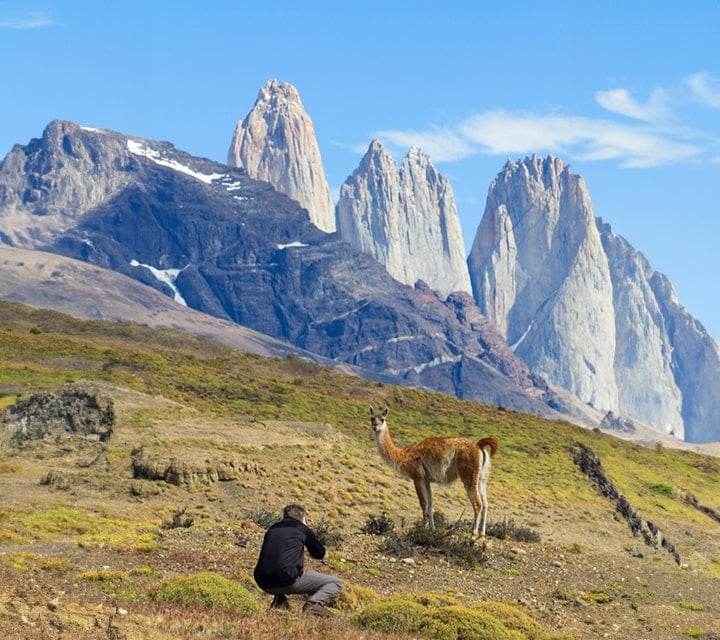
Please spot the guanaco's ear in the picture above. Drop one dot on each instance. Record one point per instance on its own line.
(384, 413)
(372, 413)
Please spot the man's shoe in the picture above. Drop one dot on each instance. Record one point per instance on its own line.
(316, 609)
(280, 602)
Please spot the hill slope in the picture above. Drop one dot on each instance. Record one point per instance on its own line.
(85, 539)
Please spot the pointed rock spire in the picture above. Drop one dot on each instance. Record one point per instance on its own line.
(582, 307)
(276, 143)
(405, 217)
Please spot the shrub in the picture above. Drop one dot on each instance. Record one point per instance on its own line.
(378, 526)
(353, 597)
(508, 530)
(179, 520)
(209, 591)
(457, 548)
(402, 615)
(103, 576)
(264, 517)
(514, 618)
(663, 488)
(328, 535)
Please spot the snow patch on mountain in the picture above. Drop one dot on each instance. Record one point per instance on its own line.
(167, 276)
(141, 150)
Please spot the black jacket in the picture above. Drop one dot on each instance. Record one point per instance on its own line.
(281, 555)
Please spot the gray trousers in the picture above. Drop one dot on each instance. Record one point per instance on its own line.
(320, 586)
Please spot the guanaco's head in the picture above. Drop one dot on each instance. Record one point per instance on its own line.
(377, 420)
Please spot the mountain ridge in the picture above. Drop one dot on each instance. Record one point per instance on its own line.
(405, 217)
(257, 260)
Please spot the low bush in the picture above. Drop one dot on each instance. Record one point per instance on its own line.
(328, 535)
(354, 597)
(179, 519)
(378, 525)
(455, 546)
(400, 614)
(209, 591)
(264, 517)
(514, 618)
(508, 530)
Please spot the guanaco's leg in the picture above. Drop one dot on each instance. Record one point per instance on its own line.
(482, 486)
(471, 488)
(424, 494)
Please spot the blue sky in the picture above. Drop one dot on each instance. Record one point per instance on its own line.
(627, 93)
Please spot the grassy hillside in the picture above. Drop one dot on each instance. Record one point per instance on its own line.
(300, 432)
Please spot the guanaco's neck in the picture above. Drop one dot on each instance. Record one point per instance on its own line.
(387, 449)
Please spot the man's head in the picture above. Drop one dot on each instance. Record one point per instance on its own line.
(294, 511)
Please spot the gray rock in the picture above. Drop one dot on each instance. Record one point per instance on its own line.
(585, 310)
(276, 143)
(405, 217)
(74, 409)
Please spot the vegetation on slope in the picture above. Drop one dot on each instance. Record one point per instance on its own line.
(229, 403)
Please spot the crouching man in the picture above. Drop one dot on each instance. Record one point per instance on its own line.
(280, 567)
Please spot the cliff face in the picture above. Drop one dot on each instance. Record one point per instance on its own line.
(276, 143)
(539, 272)
(584, 309)
(405, 217)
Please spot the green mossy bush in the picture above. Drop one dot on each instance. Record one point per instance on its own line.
(514, 618)
(403, 614)
(353, 597)
(209, 591)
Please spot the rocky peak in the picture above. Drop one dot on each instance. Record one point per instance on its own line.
(48, 184)
(276, 143)
(405, 217)
(539, 272)
(582, 307)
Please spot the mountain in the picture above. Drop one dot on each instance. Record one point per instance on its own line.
(276, 143)
(585, 310)
(405, 217)
(212, 238)
(82, 290)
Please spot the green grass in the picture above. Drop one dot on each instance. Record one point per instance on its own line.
(40, 349)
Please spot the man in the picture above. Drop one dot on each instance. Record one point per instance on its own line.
(280, 567)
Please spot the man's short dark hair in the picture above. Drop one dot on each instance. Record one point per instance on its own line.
(294, 511)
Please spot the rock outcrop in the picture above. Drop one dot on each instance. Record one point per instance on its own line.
(585, 310)
(76, 409)
(276, 143)
(405, 217)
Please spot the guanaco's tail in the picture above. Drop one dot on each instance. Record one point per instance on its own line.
(488, 443)
(488, 447)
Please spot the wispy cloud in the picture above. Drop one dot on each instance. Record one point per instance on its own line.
(442, 145)
(30, 20)
(620, 101)
(651, 137)
(506, 133)
(705, 89)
